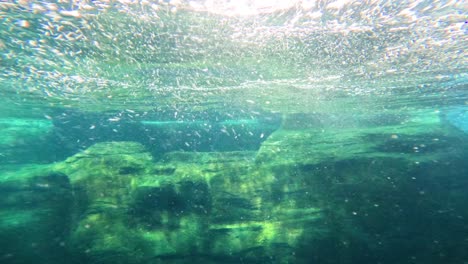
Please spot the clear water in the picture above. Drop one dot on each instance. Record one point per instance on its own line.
(233, 131)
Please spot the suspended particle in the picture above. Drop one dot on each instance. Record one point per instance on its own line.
(23, 23)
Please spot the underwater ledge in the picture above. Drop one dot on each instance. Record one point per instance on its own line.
(289, 202)
(312, 189)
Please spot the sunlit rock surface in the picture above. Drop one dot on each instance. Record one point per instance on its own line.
(312, 139)
(207, 205)
(321, 183)
(259, 206)
(312, 190)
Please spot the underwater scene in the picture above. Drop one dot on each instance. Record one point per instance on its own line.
(220, 131)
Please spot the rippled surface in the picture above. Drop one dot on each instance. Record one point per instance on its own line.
(146, 54)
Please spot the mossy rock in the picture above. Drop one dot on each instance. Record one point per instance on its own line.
(187, 204)
(418, 136)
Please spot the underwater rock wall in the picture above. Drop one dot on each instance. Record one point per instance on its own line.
(318, 194)
(203, 205)
(34, 215)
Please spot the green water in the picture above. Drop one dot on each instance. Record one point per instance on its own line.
(233, 132)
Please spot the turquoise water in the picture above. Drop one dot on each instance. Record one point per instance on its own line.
(233, 132)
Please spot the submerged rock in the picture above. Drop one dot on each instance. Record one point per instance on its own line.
(129, 209)
(35, 211)
(305, 203)
(313, 142)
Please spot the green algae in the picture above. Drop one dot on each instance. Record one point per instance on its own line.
(203, 195)
(320, 142)
(308, 183)
(126, 206)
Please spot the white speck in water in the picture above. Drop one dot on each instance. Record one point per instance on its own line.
(23, 23)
